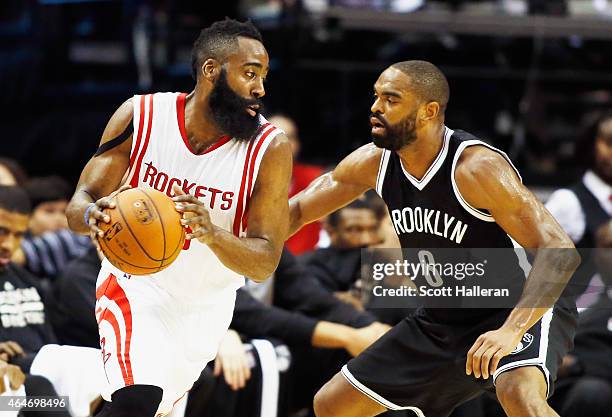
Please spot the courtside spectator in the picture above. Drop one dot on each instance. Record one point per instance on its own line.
(303, 174)
(49, 245)
(585, 206)
(585, 378)
(24, 328)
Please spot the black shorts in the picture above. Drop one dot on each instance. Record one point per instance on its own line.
(419, 365)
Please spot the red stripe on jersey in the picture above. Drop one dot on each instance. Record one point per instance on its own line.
(180, 115)
(251, 171)
(238, 215)
(139, 136)
(134, 182)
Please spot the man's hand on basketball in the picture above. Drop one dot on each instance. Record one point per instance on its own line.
(490, 347)
(195, 216)
(96, 214)
(232, 361)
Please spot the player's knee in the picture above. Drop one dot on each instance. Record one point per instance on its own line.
(136, 401)
(322, 403)
(520, 393)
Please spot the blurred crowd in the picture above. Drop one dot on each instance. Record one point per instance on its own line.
(290, 334)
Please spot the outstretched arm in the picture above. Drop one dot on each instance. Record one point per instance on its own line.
(487, 181)
(333, 190)
(256, 255)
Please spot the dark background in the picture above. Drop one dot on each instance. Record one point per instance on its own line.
(527, 83)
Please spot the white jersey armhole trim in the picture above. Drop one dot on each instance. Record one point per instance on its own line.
(382, 170)
(275, 132)
(374, 396)
(272, 132)
(472, 210)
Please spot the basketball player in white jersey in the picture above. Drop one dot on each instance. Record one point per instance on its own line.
(228, 171)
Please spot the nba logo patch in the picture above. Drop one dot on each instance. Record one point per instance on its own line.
(525, 342)
(142, 212)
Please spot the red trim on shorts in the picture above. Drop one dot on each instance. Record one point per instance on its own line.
(139, 136)
(180, 115)
(238, 215)
(109, 317)
(134, 181)
(113, 291)
(251, 171)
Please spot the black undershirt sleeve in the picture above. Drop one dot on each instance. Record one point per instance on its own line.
(116, 141)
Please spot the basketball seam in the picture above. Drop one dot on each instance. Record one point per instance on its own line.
(161, 222)
(127, 224)
(178, 247)
(123, 260)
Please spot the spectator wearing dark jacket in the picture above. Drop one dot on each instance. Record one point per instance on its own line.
(24, 328)
(585, 378)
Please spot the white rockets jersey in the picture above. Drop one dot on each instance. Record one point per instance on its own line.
(222, 177)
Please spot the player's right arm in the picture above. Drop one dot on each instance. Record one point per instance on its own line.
(353, 176)
(101, 176)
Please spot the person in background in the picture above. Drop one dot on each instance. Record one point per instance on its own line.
(582, 208)
(303, 174)
(24, 328)
(585, 383)
(49, 244)
(361, 225)
(350, 229)
(49, 197)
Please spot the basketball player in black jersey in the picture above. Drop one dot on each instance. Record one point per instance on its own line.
(437, 359)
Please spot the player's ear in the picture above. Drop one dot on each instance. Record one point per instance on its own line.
(432, 109)
(211, 69)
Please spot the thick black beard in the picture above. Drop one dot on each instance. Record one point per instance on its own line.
(229, 110)
(396, 136)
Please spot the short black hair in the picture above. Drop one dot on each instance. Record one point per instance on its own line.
(14, 199)
(585, 148)
(428, 81)
(361, 203)
(218, 40)
(45, 189)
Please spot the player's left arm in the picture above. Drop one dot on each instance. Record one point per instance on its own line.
(487, 181)
(255, 256)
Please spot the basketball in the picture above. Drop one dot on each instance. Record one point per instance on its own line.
(144, 234)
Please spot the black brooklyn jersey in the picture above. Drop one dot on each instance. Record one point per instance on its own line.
(430, 214)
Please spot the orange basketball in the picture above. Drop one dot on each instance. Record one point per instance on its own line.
(144, 235)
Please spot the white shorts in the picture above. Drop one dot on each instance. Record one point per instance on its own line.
(148, 336)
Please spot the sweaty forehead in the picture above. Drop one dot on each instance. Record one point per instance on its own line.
(250, 51)
(394, 80)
